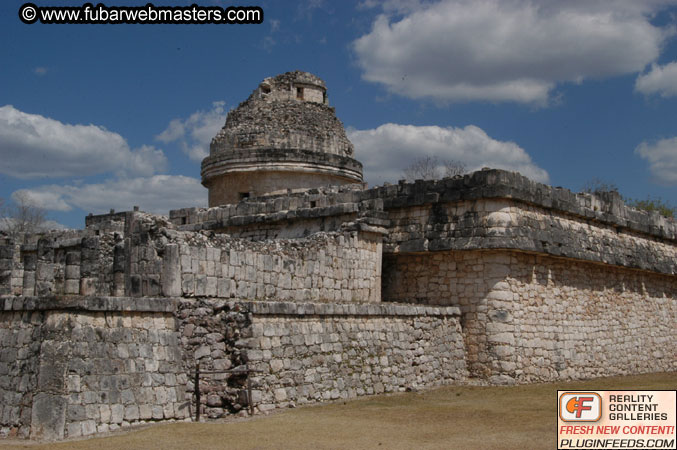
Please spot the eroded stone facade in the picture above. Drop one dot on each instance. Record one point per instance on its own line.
(329, 293)
(79, 367)
(529, 318)
(285, 136)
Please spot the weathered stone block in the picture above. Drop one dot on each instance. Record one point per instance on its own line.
(48, 418)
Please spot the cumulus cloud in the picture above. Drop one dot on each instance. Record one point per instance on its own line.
(506, 50)
(44, 198)
(196, 132)
(385, 151)
(33, 146)
(660, 80)
(157, 194)
(662, 158)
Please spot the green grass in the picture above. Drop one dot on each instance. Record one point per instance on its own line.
(458, 417)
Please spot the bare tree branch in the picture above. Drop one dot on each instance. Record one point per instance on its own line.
(453, 168)
(22, 215)
(431, 168)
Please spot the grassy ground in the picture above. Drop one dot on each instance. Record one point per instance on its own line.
(517, 417)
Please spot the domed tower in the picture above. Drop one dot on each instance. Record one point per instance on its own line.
(284, 136)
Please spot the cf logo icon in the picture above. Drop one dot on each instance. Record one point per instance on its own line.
(580, 406)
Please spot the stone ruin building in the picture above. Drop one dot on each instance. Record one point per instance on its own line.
(284, 136)
(324, 288)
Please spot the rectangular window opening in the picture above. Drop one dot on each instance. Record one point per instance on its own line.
(299, 93)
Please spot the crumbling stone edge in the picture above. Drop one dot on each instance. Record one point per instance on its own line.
(169, 305)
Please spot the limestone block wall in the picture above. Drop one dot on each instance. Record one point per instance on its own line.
(11, 269)
(323, 267)
(505, 223)
(283, 216)
(20, 338)
(73, 367)
(530, 318)
(149, 257)
(63, 263)
(313, 352)
(320, 352)
(88, 365)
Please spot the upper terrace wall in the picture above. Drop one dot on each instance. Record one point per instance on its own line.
(498, 209)
(323, 267)
(142, 255)
(511, 224)
(64, 263)
(293, 215)
(486, 209)
(151, 258)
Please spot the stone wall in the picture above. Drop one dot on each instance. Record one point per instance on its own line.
(63, 263)
(530, 318)
(72, 368)
(329, 352)
(213, 334)
(151, 258)
(11, 269)
(506, 223)
(21, 338)
(313, 352)
(287, 216)
(549, 285)
(323, 267)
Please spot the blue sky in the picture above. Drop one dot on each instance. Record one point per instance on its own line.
(94, 117)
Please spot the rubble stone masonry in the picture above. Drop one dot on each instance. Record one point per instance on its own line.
(530, 318)
(88, 365)
(330, 293)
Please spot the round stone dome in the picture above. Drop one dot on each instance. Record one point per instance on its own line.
(284, 136)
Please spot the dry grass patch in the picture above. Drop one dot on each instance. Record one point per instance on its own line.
(459, 417)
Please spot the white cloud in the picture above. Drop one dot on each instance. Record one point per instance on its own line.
(659, 80)
(506, 50)
(46, 199)
(33, 146)
(196, 132)
(157, 194)
(385, 151)
(662, 158)
(146, 160)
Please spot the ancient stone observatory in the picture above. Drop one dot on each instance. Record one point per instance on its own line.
(329, 293)
(284, 136)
